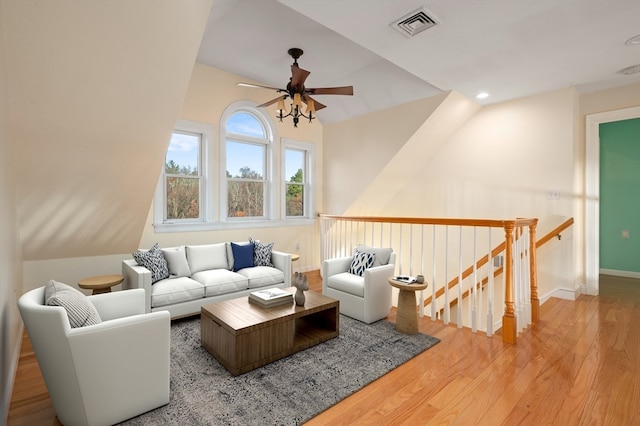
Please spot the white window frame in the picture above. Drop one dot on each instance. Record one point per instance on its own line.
(308, 181)
(214, 185)
(269, 142)
(206, 133)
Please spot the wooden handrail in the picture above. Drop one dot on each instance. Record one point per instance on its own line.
(483, 261)
(513, 231)
(492, 223)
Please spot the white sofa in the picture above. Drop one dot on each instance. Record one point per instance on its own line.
(103, 373)
(203, 274)
(367, 297)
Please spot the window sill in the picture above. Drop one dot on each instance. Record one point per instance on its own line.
(162, 228)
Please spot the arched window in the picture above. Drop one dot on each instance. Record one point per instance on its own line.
(243, 176)
(247, 148)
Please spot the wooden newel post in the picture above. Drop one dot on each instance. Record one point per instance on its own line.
(533, 273)
(509, 331)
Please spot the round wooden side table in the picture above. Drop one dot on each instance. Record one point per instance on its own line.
(100, 283)
(407, 314)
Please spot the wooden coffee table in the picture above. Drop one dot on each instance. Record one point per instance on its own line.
(243, 336)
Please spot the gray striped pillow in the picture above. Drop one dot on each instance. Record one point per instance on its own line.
(80, 310)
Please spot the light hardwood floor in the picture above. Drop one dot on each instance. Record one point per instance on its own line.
(579, 365)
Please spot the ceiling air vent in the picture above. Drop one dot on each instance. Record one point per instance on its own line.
(414, 23)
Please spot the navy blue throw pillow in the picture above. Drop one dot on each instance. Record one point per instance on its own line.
(242, 256)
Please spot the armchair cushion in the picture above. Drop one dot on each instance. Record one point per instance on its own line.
(382, 254)
(348, 283)
(360, 262)
(80, 310)
(154, 261)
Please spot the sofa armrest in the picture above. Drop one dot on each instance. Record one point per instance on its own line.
(136, 276)
(119, 304)
(282, 261)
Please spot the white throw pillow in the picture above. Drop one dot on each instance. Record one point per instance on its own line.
(80, 310)
(206, 257)
(382, 254)
(177, 261)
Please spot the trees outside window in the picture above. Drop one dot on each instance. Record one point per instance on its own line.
(297, 170)
(183, 177)
(240, 176)
(247, 146)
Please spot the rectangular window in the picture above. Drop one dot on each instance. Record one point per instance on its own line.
(183, 177)
(294, 164)
(246, 182)
(297, 175)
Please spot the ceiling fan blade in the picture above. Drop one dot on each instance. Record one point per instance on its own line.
(260, 86)
(344, 90)
(317, 104)
(271, 102)
(298, 76)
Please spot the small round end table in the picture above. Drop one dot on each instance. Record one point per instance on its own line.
(407, 314)
(100, 283)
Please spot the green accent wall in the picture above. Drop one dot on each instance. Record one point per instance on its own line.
(620, 195)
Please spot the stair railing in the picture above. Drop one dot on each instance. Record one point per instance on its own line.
(438, 248)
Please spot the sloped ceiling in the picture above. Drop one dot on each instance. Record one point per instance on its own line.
(510, 49)
(94, 92)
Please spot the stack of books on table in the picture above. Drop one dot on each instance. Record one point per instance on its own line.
(270, 297)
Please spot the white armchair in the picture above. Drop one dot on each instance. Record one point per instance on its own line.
(366, 298)
(105, 373)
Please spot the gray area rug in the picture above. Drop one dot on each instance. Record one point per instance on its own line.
(286, 392)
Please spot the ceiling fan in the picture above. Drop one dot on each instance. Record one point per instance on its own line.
(298, 93)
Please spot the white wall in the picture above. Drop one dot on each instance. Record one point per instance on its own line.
(10, 272)
(499, 163)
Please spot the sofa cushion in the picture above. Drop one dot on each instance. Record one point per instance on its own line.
(220, 281)
(177, 261)
(242, 256)
(175, 290)
(261, 253)
(259, 276)
(360, 262)
(80, 310)
(348, 283)
(382, 254)
(154, 260)
(207, 256)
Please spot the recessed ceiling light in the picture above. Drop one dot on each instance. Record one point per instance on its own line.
(633, 41)
(482, 95)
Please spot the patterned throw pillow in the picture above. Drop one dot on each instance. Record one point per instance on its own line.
(360, 262)
(261, 253)
(154, 261)
(80, 310)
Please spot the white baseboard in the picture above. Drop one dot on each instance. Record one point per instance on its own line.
(615, 273)
(8, 388)
(561, 293)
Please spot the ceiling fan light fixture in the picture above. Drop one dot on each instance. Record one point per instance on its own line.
(311, 107)
(298, 93)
